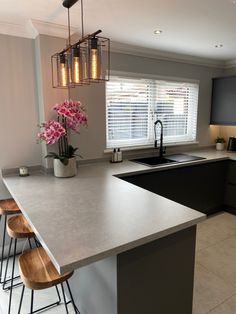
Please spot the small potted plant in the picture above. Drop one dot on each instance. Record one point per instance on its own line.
(220, 143)
(70, 116)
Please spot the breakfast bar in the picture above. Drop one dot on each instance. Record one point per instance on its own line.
(132, 250)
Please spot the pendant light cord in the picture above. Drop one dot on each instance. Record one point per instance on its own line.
(68, 14)
(82, 17)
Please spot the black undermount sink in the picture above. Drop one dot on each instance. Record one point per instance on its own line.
(156, 160)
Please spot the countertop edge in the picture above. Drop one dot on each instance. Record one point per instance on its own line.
(131, 245)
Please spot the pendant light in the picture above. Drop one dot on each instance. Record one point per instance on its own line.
(83, 62)
(63, 70)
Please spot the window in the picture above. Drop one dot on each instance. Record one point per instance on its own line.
(133, 105)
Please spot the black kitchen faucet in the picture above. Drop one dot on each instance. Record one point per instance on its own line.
(161, 148)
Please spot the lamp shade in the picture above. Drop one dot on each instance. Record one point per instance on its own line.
(98, 59)
(60, 70)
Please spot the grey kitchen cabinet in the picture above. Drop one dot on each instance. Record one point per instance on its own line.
(223, 106)
(230, 187)
(200, 187)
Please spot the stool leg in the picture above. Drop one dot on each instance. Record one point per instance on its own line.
(64, 298)
(58, 294)
(32, 302)
(5, 280)
(21, 298)
(3, 246)
(12, 277)
(30, 243)
(72, 299)
(36, 242)
(8, 257)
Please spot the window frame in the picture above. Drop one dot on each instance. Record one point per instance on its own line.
(132, 75)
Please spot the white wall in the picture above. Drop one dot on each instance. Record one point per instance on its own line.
(18, 105)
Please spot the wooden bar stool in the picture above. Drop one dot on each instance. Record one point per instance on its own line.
(7, 207)
(37, 273)
(17, 227)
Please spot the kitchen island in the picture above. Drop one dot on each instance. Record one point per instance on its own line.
(133, 249)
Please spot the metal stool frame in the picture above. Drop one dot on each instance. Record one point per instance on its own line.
(52, 304)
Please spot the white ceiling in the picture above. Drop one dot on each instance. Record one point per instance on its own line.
(190, 27)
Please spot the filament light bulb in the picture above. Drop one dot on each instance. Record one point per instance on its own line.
(63, 74)
(95, 66)
(76, 70)
(63, 71)
(76, 67)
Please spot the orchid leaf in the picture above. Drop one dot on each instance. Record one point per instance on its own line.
(52, 155)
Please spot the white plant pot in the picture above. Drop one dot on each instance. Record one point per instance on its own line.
(220, 146)
(65, 171)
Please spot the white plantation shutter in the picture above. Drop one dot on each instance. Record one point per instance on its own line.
(176, 106)
(134, 104)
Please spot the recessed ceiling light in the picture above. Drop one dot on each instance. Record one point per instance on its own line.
(157, 31)
(218, 46)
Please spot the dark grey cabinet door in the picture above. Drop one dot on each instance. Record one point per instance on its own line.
(223, 107)
(200, 187)
(230, 188)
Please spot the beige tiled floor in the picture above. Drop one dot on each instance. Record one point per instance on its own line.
(215, 272)
(215, 267)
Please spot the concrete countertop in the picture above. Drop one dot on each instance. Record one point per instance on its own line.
(95, 215)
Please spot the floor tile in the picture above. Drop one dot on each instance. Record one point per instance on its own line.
(228, 307)
(220, 259)
(209, 290)
(215, 229)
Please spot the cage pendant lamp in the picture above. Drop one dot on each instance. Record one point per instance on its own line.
(98, 53)
(83, 62)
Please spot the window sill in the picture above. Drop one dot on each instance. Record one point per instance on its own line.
(133, 148)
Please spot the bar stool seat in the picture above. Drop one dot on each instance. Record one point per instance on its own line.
(18, 227)
(38, 272)
(9, 207)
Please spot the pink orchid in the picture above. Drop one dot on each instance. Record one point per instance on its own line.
(70, 114)
(73, 112)
(53, 132)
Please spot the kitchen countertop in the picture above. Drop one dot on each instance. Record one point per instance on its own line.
(95, 215)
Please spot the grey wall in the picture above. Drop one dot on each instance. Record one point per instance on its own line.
(47, 96)
(27, 97)
(18, 105)
(92, 142)
(229, 71)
